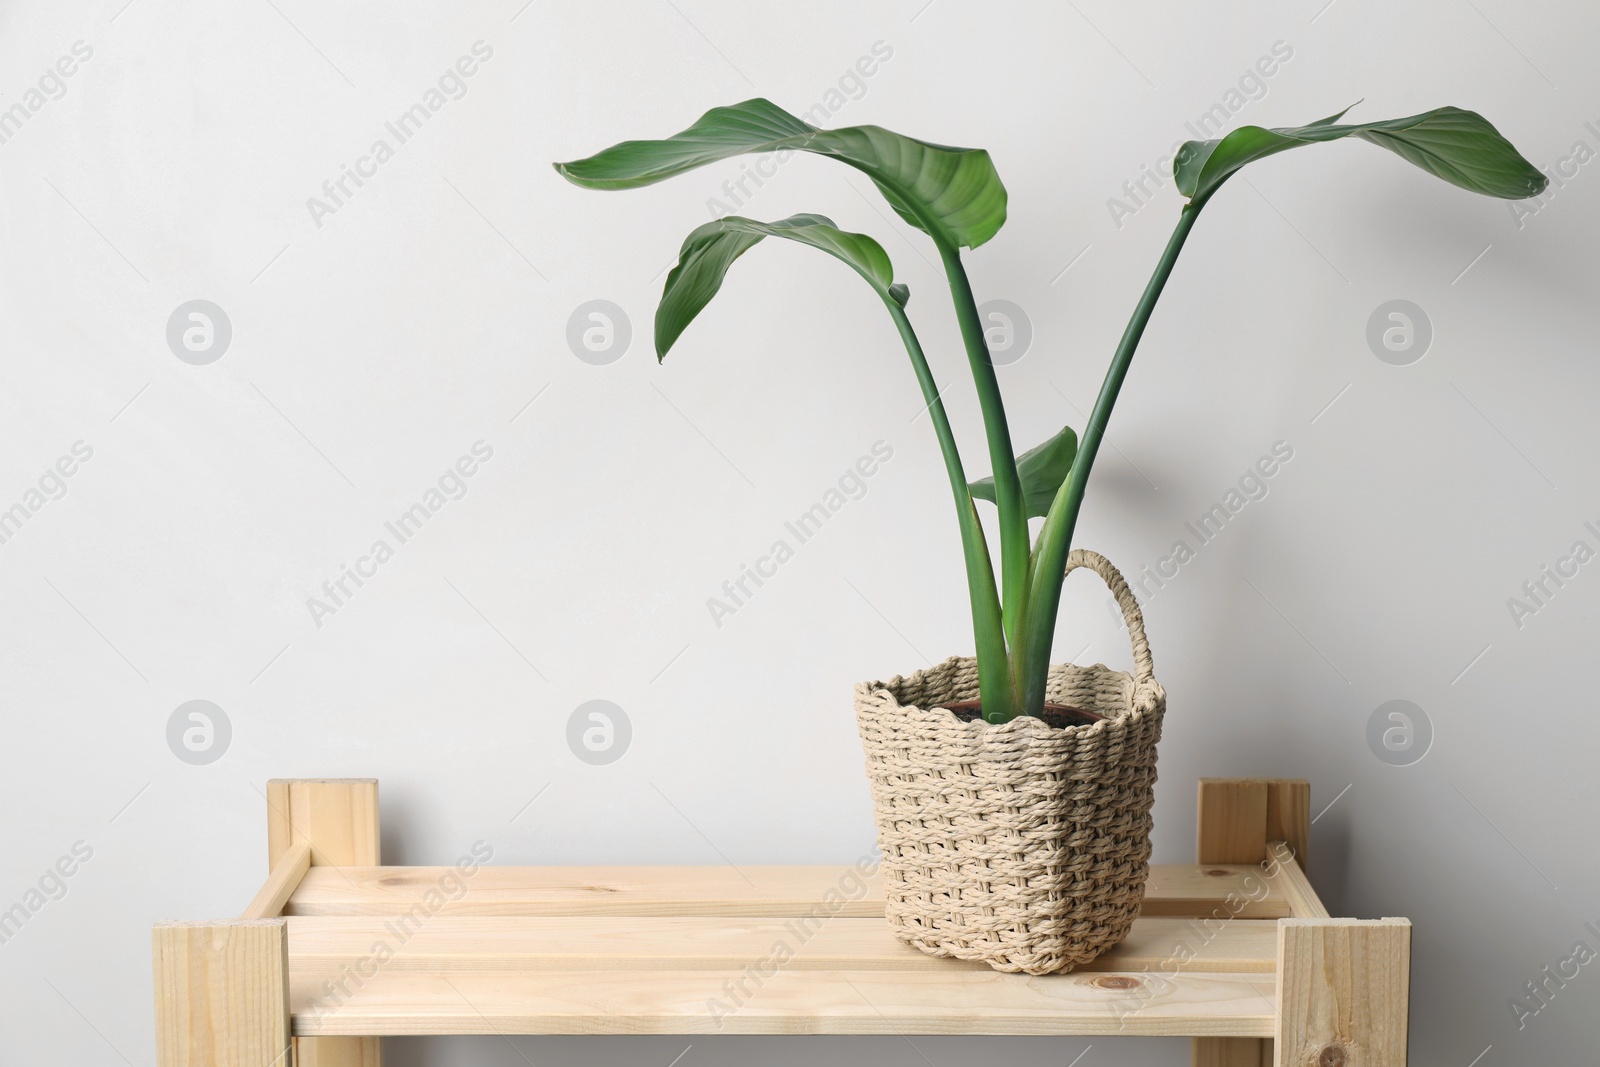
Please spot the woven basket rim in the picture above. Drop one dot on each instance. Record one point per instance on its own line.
(1149, 690)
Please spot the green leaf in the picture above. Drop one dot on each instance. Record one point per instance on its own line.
(1459, 146)
(709, 251)
(1042, 470)
(951, 193)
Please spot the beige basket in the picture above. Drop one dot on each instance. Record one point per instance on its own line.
(1022, 845)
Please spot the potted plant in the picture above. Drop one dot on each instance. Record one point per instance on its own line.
(1012, 796)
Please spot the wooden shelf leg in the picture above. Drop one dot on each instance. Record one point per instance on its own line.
(1343, 992)
(1231, 1052)
(1237, 817)
(222, 993)
(338, 819)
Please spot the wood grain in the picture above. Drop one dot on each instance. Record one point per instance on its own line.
(1343, 992)
(1237, 818)
(1232, 818)
(337, 820)
(284, 879)
(338, 817)
(1172, 890)
(785, 1002)
(338, 1052)
(222, 993)
(1303, 900)
(615, 943)
(1289, 816)
(1231, 1052)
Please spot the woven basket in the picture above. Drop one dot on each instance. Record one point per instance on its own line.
(1022, 845)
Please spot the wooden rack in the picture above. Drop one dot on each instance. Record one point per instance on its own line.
(336, 951)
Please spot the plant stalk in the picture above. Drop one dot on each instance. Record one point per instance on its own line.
(1055, 539)
(1009, 502)
(995, 682)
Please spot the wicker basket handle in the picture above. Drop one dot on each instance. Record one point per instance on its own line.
(1143, 667)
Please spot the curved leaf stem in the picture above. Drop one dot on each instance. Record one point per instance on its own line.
(994, 676)
(1048, 570)
(1002, 457)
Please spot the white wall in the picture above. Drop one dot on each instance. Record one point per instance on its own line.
(371, 351)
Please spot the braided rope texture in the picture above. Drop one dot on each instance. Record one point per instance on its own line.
(1021, 845)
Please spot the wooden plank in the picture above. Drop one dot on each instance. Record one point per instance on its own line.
(1303, 900)
(1232, 820)
(337, 819)
(1289, 815)
(1235, 817)
(222, 993)
(284, 879)
(1231, 1052)
(1289, 825)
(1241, 890)
(782, 1002)
(614, 943)
(1343, 991)
(339, 1052)
(779, 891)
(1172, 890)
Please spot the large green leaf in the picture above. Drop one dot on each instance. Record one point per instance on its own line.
(1459, 146)
(952, 193)
(709, 251)
(1042, 470)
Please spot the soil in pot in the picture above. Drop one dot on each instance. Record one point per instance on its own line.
(1057, 715)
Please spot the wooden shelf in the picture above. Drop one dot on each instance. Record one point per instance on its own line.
(807, 1002)
(699, 943)
(655, 950)
(1240, 955)
(752, 892)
